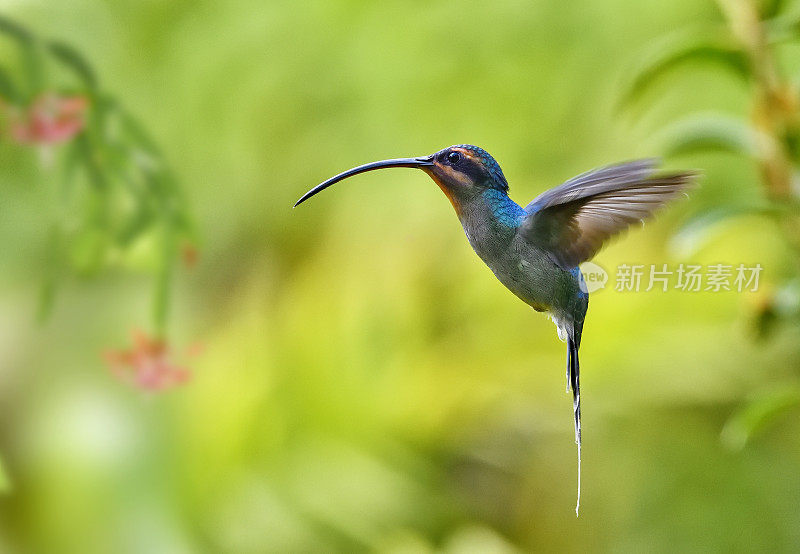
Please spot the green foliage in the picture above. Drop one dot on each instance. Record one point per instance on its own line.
(770, 8)
(710, 132)
(8, 89)
(72, 59)
(16, 31)
(703, 227)
(685, 50)
(759, 413)
(769, 140)
(113, 177)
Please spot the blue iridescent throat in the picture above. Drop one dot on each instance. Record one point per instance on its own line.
(505, 210)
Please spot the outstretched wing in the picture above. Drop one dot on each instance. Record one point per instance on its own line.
(572, 221)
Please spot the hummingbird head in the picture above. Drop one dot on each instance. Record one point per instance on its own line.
(461, 171)
(464, 170)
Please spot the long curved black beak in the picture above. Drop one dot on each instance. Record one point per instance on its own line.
(425, 161)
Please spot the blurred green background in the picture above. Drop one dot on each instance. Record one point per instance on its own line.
(365, 384)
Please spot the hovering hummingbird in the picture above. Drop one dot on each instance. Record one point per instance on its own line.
(535, 251)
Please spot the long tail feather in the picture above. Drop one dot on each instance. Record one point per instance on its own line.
(573, 368)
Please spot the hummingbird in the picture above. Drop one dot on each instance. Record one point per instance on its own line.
(535, 251)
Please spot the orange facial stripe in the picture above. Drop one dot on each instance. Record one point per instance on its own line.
(447, 192)
(463, 152)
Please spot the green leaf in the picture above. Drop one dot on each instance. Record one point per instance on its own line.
(69, 166)
(33, 64)
(15, 30)
(30, 53)
(783, 28)
(88, 156)
(8, 90)
(721, 52)
(770, 8)
(136, 132)
(778, 307)
(692, 236)
(758, 414)
(791, 138)
(75, 61)
(134, 227)
(787, 299)
(102, 106)
(710, 132)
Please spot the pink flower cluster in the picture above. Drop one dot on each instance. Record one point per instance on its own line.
(147, 365)
(49, 119)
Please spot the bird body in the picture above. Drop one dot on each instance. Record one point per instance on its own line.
(491, 221)
(535, 251)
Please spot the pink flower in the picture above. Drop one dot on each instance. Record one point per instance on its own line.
(49, 119)
(147, 365)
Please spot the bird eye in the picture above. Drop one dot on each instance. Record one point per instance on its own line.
(454, 157)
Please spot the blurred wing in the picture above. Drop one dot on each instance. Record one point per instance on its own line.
(573, 220)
